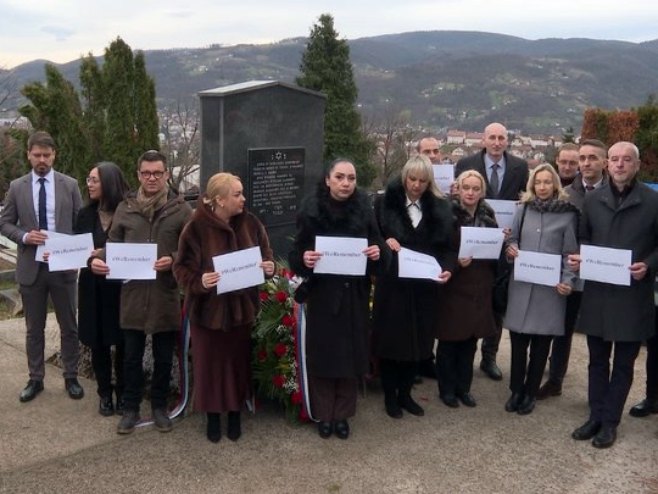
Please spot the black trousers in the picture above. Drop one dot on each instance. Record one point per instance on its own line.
(608, 390)
(454, 366)
(561, 347)
(163, 354)
(397, 377)
(652, 366)
(491, 343)
(101, 362)
(526, 373)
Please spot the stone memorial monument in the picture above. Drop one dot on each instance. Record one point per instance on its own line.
(270, 134)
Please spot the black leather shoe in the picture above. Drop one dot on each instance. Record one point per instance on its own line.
(32, 389)
(548, 389)
(325, 429)
(644, 408)
(342, 429)
(491, 369)
(512, 405)
(73, 388)
(586, 431)
(467, 399)
(606, 437)
(105, 406)
(527, 405)
(449, 400)
(407, 403)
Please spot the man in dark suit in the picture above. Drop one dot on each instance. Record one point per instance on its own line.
(506, 177)
(617, 318)
(41, 201)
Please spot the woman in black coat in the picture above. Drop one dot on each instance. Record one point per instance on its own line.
(411, 214)
(98, 298)
(336, 305)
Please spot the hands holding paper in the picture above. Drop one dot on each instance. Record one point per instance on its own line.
(465, 262)
(512, 251)
(393, 244)
(36, 237)
(563, 288)
(444, 277)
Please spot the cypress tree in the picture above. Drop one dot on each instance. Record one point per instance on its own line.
(326, 67)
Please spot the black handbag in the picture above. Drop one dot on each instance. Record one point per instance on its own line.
(503, 273)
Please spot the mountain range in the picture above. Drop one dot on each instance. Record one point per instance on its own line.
(438, 79)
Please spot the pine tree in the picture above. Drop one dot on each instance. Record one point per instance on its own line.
(326, 67)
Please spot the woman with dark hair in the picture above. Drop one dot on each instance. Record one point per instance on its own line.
(414, 215)
(465, 306)
(337, 306)
(220, 324)
(544, 222)
(98, 298)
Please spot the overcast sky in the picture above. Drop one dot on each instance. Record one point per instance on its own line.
(61, 31)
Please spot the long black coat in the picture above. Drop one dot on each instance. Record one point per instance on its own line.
(337, 306)
(465, 303)
(403, 313)
(98, 298)
(613, 312)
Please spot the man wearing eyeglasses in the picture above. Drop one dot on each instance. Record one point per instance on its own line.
(37, 203)
(154, 214)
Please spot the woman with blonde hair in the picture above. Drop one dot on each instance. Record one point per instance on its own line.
(412, 214)
(544, 222)
(465, 306)
(220, 324)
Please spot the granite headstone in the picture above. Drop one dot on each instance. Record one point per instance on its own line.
(271, 135)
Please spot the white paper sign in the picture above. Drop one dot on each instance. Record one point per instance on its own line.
(239, 269)
(38, 255)
(341, 255)
(444, 176)
(131, 261)
(69, 251)
(412, 264)
(481, 243)
(538, 268)
(605, 265)
(504, 210)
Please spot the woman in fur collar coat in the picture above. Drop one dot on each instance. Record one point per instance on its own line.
(337, 308)
(411, 214)
(220, 324)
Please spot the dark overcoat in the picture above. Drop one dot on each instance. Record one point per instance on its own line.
(337, 306)
(98, 297)
(464, 306)
(614, 312)
(403, 315)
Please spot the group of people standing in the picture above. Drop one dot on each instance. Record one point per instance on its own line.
(408, 315)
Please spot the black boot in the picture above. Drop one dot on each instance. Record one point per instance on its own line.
(389, 380)
(405, 383)
(234, 431)
(213, 430)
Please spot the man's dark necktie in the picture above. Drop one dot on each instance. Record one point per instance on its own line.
(494, 179)
(43, 220)
(589, 188)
